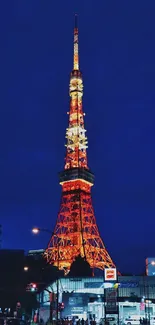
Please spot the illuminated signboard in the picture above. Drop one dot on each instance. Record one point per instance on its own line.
(126, 284)
(110, 274)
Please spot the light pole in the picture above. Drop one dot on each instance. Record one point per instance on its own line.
(36, 231)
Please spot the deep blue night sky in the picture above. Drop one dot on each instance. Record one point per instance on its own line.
(117, 58)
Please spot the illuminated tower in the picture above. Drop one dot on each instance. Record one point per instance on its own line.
(76, 232)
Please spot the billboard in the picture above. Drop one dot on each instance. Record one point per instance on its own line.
(110, 274)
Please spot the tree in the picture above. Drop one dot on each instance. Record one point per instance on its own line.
(80, 268)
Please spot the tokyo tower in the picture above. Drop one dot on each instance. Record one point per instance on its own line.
(76, 232)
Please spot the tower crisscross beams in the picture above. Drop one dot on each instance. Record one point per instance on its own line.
(76, 231)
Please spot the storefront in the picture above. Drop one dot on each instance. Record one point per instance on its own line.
(85, 297)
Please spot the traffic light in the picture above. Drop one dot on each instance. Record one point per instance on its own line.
(32, 287)
(18, 305)
(61, 306)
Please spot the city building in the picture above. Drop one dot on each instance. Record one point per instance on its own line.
(85, 297)
(11, 278)
(36, 253)
(11, 259)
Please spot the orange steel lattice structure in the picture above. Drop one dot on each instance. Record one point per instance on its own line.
(76, 231)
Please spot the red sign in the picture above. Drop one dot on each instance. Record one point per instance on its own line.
(110, 274)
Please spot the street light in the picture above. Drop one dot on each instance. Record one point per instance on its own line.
(26, 268)
(36, 231)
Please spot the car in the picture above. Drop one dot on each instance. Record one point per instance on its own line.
(132, 320)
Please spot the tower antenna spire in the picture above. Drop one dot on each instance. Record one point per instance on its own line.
(76, 21)
(76, 46)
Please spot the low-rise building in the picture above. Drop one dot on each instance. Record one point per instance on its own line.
(86, 297)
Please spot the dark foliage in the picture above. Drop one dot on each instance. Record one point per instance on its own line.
(14, 280)
(40, 272)
(80, 268)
